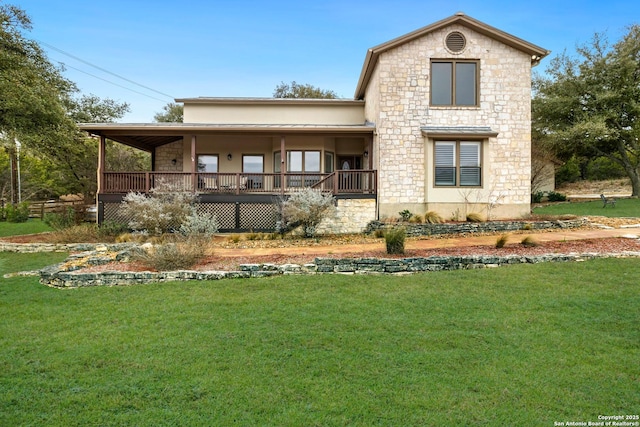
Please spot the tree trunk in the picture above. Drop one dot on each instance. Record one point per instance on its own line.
(635, 183)
(14, 174)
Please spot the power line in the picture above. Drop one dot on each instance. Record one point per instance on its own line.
(104, 71)
(109, 81)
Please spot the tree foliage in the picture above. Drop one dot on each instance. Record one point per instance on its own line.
(171, 113)
(588, 105)
(296, 90)
(39, 108)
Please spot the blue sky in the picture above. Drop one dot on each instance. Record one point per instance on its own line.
(245, 48)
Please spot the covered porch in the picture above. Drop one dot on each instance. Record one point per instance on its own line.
(242, 167)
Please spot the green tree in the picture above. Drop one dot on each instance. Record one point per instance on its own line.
(295, 90)
(171, 113)
(588, 105)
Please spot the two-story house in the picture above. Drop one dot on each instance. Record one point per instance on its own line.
(440, 121)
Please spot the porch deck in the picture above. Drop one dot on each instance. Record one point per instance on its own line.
(342, 182)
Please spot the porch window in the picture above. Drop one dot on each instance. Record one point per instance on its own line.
(208, 163)
(458, 163)
(253, 164)
(454, 83)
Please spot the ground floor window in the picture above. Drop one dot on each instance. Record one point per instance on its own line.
(252, 164)
(208, 163)
(458, 163)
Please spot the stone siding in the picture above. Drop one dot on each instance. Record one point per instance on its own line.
(351, 216)
(165, 155)
(405, 155)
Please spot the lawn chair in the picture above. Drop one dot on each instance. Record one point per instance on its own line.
(607, 201)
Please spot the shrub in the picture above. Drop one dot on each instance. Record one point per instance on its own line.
(474, 217)
(178, 255)
(112, 229)
(16, 213)
(405, 215)
(502, 240)
(60, 221)
(82, 233)
(529, 241)
(415, 219)
(378, 234)
(556, 197)
(394, 239)
(433, 217)
(164, 211)
(204, 224)
(306, 209)
(537, 197)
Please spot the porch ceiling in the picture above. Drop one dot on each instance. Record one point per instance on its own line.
(149, 136)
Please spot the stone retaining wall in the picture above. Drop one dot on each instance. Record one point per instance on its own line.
(476, 227)
(64, 276)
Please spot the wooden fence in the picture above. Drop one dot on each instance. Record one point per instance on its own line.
(40, 209)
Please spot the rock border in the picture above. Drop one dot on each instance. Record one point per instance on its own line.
(69, 275)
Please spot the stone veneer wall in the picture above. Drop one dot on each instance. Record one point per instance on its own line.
(165, 154)
(405, 173)
(352, 216)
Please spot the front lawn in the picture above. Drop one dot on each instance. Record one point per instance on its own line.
(32, 226)
(624, 208)
(521, 345)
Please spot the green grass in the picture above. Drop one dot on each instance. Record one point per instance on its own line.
(624, 208)
(521, 345)
(32, 226)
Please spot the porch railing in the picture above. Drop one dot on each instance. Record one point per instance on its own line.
(338, 182)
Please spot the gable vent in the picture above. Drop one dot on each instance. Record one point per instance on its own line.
(456, 42)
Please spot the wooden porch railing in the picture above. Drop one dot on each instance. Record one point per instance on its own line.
(338, 182)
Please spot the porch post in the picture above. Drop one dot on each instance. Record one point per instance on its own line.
(193, 164)
(283, 164)
(101, 158)
(370, 150)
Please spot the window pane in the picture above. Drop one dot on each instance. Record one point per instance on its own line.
(445, 163)
(312, 161)
(328, 162)
(470, 176)
(207, 163)
(469, 154)
(252, 164)
(294, 161)
(441, 83)
(277, 162)
(466, 83)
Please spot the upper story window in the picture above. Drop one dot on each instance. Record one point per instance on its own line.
(454, 83)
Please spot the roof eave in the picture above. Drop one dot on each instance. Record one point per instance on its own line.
(536, 52)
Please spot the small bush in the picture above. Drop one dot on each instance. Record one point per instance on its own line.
(405, 215)
(179, 255)
(306, 209)
(502, 240)
(433, 217)
(529, 242)
(234, 238)
(527, 226)
(82, 233)
(537, 197)
(416, 219)
(164, 211)
(556, 197)
(199, 224)
(112, 229)
(16, 213)
(378, 234)
(253, 236)
(60, 221)
(394, 239)
(475, 217)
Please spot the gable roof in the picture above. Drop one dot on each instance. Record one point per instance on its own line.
(370, 61)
